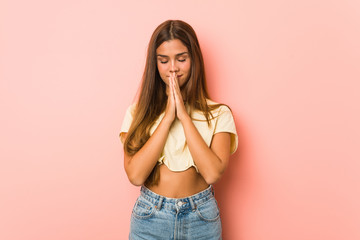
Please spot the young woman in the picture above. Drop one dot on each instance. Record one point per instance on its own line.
(177, 142)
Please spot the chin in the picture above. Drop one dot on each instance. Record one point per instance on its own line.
(184, 83)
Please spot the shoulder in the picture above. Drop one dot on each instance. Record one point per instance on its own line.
(211, 102)
(217, 107)
(131, 108)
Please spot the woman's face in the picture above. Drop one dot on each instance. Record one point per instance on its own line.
(173, 56)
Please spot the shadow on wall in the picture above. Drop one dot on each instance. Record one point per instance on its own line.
(228, 191)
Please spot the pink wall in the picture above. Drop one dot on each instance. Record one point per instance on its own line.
(289, 70)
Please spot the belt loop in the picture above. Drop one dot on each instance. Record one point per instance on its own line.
(193, 207)
(212, 190)
(158, 206)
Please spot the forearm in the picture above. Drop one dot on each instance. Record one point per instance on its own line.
(139, 166)
(209, 164)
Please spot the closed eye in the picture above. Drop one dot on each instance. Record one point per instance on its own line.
(180, 60)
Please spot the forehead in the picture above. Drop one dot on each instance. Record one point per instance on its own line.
(171, 47)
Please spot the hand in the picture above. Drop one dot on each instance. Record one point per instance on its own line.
(170, 110)
(174, 90)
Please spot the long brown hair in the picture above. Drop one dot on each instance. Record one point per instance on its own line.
(152, 97)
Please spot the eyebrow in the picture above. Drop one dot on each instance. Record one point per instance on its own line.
(159, 55)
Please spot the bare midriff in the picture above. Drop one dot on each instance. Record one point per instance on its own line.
(179, 184)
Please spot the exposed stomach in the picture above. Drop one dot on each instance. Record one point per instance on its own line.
(178, 184)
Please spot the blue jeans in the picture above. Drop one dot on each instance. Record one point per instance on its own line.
(158, 217)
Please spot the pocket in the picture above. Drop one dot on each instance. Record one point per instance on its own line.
(143, 208)
(209, 210)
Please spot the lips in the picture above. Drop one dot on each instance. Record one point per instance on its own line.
(176, 75)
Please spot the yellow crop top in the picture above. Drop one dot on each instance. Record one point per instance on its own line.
(176, 154)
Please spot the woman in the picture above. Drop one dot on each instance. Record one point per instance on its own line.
(177, 142)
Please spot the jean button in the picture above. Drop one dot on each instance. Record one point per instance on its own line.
(180, 203)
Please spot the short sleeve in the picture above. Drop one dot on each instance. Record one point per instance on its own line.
(127, 120)
(225, 123)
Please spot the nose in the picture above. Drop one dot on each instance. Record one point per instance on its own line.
(173, 67)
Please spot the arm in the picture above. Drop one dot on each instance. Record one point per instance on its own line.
(211, 161)
(139, 166)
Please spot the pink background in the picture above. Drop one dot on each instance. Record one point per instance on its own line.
(288, 69)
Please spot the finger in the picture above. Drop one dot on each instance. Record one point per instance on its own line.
(177, 90)
(171, 81)
(170, 87)
(176, 84)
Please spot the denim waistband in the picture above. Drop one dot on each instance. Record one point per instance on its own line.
(177, 203)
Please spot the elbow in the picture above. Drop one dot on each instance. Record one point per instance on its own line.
(212, 178)
(134, 177)
(133, 174)
(136, 181)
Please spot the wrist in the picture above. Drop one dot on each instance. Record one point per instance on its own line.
(167, 121)
(186, 118)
